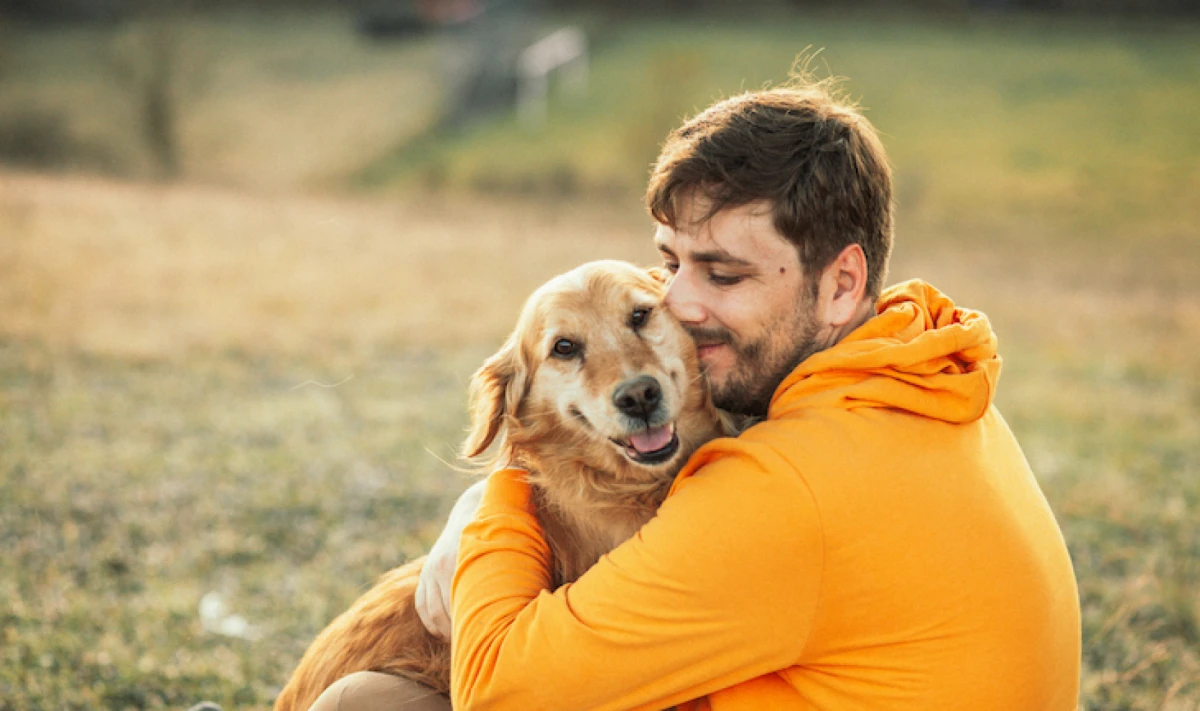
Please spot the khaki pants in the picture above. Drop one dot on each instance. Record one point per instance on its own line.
(372, 691)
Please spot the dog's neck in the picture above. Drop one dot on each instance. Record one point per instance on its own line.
(581, 493)
(585, 511)
(590, 501)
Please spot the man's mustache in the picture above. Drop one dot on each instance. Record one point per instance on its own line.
(709, 336)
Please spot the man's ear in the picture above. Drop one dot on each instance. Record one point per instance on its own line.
(493, 396)
(843, 287)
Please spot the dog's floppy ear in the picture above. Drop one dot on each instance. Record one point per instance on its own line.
(492, 389)
(659, 274)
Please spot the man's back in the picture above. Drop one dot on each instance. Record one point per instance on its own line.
(944, 577)
(945, 581)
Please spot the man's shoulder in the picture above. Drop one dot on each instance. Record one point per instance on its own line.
(769, 447)
(807, 430)
(824, 442)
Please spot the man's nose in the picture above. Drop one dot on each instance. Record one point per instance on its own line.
(682, 299)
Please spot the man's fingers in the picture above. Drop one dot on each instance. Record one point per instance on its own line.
(437, 623)
(441, 621)
(445, 600)
(439, 618)
(432, 605)
(433, 588)
(439, 594)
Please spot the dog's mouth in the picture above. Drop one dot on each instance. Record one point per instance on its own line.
(654, 445)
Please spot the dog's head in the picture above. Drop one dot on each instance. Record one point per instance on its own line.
(600, 372)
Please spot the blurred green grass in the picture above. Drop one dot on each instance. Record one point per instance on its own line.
(982, 118)
(253, 394)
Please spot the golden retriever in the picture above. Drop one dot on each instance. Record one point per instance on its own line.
(598, 395)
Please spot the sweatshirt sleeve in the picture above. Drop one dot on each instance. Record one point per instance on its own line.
(719, 588)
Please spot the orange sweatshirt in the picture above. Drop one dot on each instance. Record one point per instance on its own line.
(878, 542)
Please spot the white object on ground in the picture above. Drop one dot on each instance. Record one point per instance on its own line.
(216, 619)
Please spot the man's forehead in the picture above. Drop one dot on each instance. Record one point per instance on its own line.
(698, 209)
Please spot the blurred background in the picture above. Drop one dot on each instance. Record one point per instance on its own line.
(250, 253)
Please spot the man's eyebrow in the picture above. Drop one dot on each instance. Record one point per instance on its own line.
(707, 256)
(720, 256)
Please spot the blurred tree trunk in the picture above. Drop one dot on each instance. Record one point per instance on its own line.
(160, 108)
(146, 60)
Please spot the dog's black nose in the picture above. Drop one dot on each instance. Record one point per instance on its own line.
(639, 397)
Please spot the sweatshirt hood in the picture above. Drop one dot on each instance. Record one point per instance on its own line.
(920, 353)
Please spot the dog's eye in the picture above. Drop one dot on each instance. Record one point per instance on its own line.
(565, 348)
(639, 317)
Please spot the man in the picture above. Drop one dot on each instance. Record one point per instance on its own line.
(876, 542)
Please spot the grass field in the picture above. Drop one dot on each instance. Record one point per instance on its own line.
(254, 397)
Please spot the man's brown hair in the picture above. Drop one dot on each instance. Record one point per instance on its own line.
(811, 156)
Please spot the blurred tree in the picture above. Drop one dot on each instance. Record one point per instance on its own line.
(144, 60)
(149, 59)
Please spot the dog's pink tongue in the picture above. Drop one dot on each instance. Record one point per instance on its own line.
(652, 439)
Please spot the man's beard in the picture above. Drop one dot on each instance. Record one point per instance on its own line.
(759, 366)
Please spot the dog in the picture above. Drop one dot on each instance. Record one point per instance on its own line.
(598, 395)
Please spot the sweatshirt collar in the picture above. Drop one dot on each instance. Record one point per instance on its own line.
(920, 353)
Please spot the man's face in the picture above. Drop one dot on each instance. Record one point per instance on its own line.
(739, 290)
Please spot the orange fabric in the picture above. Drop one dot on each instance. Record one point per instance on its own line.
(879, 542)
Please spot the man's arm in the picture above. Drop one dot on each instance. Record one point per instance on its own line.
(433, 588)
(719, 588)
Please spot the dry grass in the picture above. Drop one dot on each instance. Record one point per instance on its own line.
(133, 271)
(252, 392)
(207, 390)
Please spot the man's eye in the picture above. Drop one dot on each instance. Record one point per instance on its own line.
(639, 317)
(565, 348)
(724, 280)
(671, 267)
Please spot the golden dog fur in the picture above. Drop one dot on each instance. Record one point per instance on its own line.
(568, 398)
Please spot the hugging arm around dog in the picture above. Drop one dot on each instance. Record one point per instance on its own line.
(878, 541)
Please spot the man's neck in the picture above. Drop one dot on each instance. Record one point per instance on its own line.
(865, 312)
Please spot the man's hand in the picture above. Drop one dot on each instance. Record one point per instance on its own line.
(433, 589)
